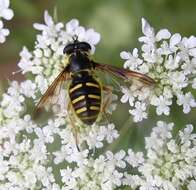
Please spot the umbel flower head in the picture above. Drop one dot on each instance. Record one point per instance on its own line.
(27, 160)
(7, 14)
(169, 163)
(170, 60)
(41, 155)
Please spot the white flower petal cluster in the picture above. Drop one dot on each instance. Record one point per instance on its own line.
(27, 160)
(44, 155)
(169, 163)
(96, 136)
(100, 173)
(7, 14)
(26, 156)
(23, 161)
(170, 60)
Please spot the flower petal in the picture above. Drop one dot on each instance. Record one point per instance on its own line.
(191, 42)
(72, 25)
(92, 36)
(192, 52)
(125, 55)
(7, 14)
(175, 39)
(163, 34)
(146, 28)
(48, 19)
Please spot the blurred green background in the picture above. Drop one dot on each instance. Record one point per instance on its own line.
(119, 23)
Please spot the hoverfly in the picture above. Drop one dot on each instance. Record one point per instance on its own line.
(86, 92)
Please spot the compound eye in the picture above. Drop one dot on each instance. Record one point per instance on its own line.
(80, 46)
(68, 49)
(84, 46)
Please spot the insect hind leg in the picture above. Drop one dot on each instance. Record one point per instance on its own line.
(71, 118)
(108, 100)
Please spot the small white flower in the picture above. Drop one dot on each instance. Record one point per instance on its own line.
(132, 60)
(68, 178)
(174, 41)
(127, 96)
(12, 101)
(28, 88)
(186, 135)
(172, 146)
(111, 133)
(5, 12)
(41, 83)
(50, 29)
(188, 47)
(134, 159)
(187, 101)
(173, 62)
(162, 104)
(139, 113)
(25, 63)
(96, 135)
(95, 139)
(3, 32)
(178, 80)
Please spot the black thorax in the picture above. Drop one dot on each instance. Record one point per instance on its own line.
(79, 61)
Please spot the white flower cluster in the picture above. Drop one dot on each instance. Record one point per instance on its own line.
(27, 161)
(171, 61)
(100, 173)
(7, 14)
(169, 163)
(44, 156)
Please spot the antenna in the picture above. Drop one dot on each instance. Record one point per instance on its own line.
(75, 38)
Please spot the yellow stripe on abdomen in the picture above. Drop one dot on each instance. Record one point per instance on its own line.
(94, 108)
(92, 84)
(78, 99)
(75, 87)
(94, 96)
(81, 110)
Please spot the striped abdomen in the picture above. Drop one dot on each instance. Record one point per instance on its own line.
(85, 95)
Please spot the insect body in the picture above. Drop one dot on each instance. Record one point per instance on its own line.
(85, 92)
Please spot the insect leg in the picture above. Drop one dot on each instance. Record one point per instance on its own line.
(73, 125)
(108, 93)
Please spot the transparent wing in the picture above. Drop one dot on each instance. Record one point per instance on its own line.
(52, 92)
(124, 73)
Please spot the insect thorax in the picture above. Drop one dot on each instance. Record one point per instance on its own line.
(79, 61)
